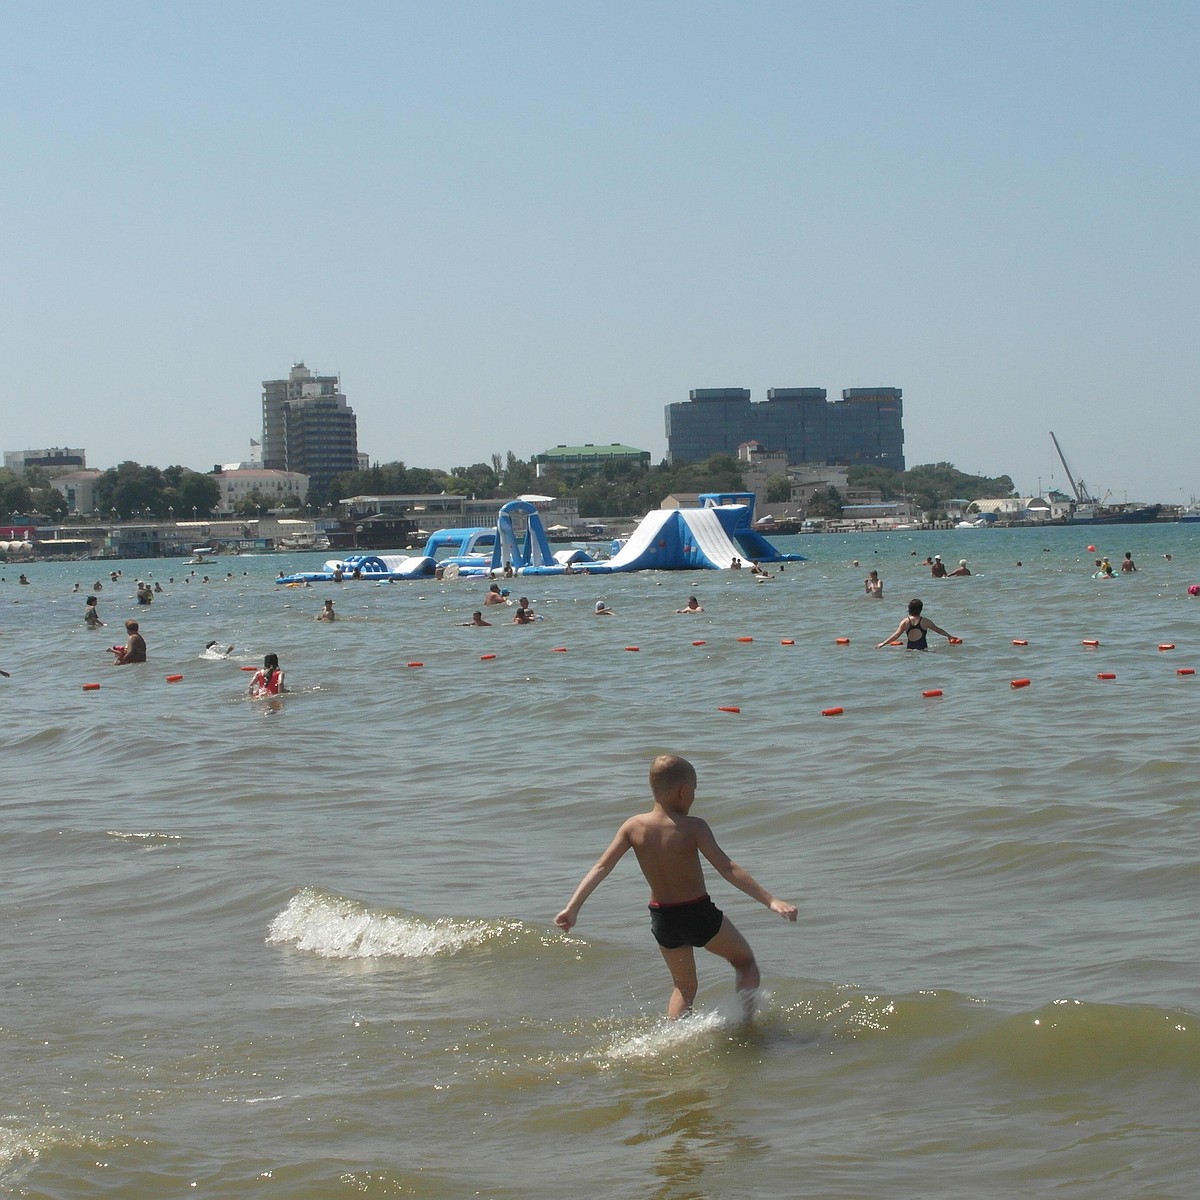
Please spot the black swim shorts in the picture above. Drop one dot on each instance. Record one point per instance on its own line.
(692, 923)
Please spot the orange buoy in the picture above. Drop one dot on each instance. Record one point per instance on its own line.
(1020, 683)
(701, 643)
(633, 649)
(1185, 670)
(831, 712)
(1091, 643)
(174, 678)
(416, 664)
(1105, 675)
(559, 650)
(249, 668)
(1020, 642)
(485, 657)
(745, 639)
(955, 641)
(930, 692)
(1091, 549)
(91, 687)
(787, 641)
(728, 708)
(841, 641)
(1166, 645)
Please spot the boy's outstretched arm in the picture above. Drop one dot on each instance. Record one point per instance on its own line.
(739, 876)
(593, 879)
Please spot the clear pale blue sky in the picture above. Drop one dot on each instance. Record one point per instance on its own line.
(509, 225)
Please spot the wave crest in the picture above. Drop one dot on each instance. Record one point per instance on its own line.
(336, 927)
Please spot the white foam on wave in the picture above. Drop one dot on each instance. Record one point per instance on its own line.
(334, 927)
(667, 1037)
(15, 1146)
(699, 1028)
(20, 1151)
(150, 838)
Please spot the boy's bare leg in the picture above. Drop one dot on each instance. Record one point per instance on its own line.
(734, 948)
(681, 962)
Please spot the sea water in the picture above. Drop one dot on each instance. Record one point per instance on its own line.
(305, 948)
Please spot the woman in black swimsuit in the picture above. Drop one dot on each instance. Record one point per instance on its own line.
(913, 629)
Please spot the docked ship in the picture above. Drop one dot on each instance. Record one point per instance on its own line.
(1120, 514)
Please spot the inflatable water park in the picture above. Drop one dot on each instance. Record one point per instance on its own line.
(714, 536)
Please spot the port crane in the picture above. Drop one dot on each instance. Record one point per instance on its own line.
(1080, 488)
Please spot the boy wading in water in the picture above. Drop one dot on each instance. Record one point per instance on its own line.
(668, 844)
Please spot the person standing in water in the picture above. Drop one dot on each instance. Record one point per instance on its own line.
(269, 680)
(134, 650)
(91, 613)
(913, 629)
(668, 843)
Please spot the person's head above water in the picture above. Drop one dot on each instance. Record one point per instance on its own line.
(914, 608)
(270, 662)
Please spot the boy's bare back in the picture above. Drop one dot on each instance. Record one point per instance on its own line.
(668, 846)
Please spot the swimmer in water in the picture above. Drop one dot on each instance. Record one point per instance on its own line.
(913, 629)
(269, 680)
(668, 843)
(134, 650)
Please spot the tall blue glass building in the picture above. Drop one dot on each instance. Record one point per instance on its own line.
(864, 426)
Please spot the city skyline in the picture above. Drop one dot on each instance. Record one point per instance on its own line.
(510, 228)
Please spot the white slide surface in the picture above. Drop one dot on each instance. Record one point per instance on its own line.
(710, 536)
(643, 537)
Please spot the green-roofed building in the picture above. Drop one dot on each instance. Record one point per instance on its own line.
(570, 460)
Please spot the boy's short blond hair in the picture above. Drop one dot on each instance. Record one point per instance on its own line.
(669, 771)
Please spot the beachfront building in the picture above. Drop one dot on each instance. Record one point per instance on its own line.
(78, 489)
(58, 458)
(864, 426)
(308, 427)
(575, 460)
(1020, 508)
(759, 468)
(277, 489)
